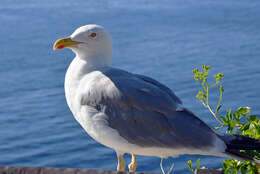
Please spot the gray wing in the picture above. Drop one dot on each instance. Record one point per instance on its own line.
(146, 113)
(161, 86)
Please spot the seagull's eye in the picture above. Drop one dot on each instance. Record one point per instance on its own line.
(93, 35)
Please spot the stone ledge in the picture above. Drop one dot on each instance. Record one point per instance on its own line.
(207, 171)
(49, 170)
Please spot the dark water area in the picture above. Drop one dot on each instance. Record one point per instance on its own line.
(162, 39)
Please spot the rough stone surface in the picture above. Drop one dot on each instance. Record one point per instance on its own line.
(207, 171)
(49, 170)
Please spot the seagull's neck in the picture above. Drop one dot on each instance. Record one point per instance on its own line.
(98, 61)
(80, 67)
(93, 58)
(77, 70)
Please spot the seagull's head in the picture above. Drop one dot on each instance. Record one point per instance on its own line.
(88, 42)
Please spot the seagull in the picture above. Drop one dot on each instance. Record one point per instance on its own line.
(133, 113)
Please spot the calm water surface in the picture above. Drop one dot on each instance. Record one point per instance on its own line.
(162, 39)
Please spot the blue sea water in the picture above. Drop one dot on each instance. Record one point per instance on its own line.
(162, 39)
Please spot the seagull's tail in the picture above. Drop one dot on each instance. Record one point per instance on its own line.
(235, 143)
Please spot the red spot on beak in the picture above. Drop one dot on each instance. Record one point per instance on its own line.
(60, 47)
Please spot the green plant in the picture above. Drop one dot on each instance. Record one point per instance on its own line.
(203, 95)
(236, 122)
(189, 163)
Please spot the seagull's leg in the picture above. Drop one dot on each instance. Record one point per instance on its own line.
(121, 163)
(170, 170)
(133, 164)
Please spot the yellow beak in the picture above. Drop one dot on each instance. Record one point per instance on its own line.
(64, 43)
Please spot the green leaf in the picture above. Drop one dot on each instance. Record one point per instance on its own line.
(218, 108)
(229, 115)
(218, 127)
(224, 119)
(253, 118)
(243, 110)
(198, 163)
(233, 123)
(244, 127)
(190, 167)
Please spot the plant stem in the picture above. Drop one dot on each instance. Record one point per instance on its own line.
(208, 106)
(214, 114)
(214, 84)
